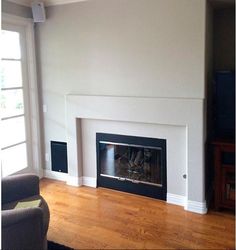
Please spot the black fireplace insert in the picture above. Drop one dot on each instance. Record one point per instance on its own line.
(132, 164)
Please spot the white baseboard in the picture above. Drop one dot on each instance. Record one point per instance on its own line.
(89, 181)
(71, 180)
(191, 206)
(176, 199)
(55, 175)
(196, 207)
(74, 181)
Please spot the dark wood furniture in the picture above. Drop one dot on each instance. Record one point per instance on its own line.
(224, 176)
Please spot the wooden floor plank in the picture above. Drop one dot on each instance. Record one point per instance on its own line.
(90, 218)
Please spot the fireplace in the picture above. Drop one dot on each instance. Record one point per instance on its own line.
(132, 164)
(184, 133)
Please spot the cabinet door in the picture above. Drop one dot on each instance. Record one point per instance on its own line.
(228, 186)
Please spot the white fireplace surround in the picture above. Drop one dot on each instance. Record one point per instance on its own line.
(177, 119)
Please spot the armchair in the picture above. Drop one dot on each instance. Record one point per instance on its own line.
(24, 228)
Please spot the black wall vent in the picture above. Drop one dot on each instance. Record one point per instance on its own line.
(59, 156)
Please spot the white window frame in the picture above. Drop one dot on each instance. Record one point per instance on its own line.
(31, 93)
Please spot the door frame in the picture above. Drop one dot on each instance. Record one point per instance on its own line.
(31, 90)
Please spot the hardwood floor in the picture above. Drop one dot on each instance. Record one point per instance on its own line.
(89, 218)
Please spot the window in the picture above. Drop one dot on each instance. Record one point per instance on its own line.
(14, 143)
(18, 99)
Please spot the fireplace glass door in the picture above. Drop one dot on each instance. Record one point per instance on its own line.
(127, 162)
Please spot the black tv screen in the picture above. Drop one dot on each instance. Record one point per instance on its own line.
(224, 105)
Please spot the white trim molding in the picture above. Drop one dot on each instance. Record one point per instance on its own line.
(196, 207)
(176, 199)
(27, 3)
(74, 181)
(191, 206)
(60, 2)
(70, 180)
(17, 20)
(89, 181)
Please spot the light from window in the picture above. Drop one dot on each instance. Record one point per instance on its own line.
(13, 127)
(10, 44)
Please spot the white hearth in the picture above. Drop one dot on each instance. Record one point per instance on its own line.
(179, 121)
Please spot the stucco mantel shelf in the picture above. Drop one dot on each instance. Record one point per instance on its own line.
(144, 110)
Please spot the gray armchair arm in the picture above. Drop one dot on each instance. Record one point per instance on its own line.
(22, 229)
(17, 187)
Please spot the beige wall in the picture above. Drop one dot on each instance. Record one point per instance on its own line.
(16, 9)
(224, 39)
(153, 48)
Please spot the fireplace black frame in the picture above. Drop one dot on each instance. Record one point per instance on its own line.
(158, 192)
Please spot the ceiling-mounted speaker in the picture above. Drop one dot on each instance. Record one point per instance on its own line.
(38, 11)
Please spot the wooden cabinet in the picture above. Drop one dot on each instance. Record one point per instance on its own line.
(224, 176)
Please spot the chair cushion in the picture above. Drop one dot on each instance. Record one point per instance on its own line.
(43, 206)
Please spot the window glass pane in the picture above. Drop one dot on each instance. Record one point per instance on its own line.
(13, 131)
(14, 159)
(10, 44)
(11, 74)
(12, 102)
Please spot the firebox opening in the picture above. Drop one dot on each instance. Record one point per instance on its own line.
(132, 164)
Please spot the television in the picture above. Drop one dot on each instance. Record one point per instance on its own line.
(224, 104)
